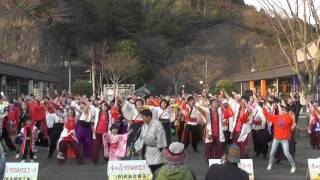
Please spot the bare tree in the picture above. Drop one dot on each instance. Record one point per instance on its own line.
(175, 73)
(118, 67)
(203, 68)
(297, 26)
(3, 40)
(11, 6)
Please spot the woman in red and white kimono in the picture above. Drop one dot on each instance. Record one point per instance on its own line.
(26, 147)
(68, 145)
(114, 144)
(227, 114)
(101, 126)
(314, 125)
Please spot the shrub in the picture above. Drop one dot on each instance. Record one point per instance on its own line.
(227, 85)
(82, 87)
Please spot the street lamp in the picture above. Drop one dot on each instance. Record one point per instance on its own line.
(88, 71)
(183, 86)
(201, 82)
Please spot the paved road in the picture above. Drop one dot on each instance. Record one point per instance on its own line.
(50, 170)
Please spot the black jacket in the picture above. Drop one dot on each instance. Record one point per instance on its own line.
(226, 172)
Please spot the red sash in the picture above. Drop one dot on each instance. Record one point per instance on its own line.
(192, 120)
(135, 121)
(257, 122)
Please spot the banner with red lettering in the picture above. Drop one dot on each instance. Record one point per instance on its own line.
(23, 171)
(129, 170)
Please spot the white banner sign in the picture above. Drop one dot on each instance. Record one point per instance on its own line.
(245, 164)
(314, 169)
(129, 170)
(21, 171)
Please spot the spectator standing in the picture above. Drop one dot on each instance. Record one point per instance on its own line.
(229, 170)
(174, 168)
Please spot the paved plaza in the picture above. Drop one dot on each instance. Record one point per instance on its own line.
(51, 170)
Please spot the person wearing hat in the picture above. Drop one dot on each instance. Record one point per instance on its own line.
(229, 170)
(114, 144)
(174, 168)
(152, 140)
(283, 126)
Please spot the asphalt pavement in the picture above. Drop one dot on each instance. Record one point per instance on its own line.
(51, 170)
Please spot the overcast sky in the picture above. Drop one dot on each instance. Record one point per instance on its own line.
(258, 6)
(253, 2)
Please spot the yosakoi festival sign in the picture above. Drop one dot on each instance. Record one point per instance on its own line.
(21, 171)
(129, 170)
(314, 169)
(245, 164)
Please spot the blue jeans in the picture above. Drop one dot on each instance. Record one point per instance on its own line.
(285, 147)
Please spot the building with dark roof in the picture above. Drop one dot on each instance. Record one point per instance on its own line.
(278, 79)
(17, 80)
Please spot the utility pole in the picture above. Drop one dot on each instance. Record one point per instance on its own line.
(93, 78)
(101, 88)
(68, 65)
(69, 77)
(206, 76)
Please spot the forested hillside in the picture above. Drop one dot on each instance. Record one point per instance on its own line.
(161, 35)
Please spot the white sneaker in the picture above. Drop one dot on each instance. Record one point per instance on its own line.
(17, 156)
(35, 157)
(31, 160)
(269, 167)
(293, 170)
(23, 161)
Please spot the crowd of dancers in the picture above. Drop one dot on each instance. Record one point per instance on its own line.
(132, 127)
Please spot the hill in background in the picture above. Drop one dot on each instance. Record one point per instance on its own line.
(231, 36)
